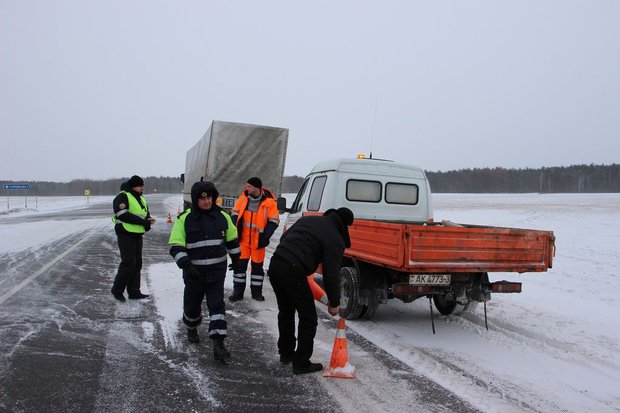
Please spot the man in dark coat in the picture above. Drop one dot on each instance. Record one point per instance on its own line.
(131, 220)
(200, 241)
(310, 241)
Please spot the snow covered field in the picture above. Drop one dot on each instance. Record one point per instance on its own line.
(553, 348)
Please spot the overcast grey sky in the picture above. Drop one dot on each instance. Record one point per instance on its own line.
(110, 88)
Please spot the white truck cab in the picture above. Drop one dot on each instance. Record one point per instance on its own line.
(373, 189)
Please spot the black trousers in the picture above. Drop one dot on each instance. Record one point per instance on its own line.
(293, 295)
(128, 275)
(210, 287)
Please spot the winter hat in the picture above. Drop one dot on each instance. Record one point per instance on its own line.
(255, 182)
(346, 216)
(204, 189)
(135, 181)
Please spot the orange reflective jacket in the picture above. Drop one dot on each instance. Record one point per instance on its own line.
(256, 221)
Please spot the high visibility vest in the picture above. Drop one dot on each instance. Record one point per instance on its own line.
(135, 208)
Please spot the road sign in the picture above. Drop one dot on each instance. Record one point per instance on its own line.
(16, 186)
(87, 192)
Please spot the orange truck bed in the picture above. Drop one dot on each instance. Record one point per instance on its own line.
(450, 249)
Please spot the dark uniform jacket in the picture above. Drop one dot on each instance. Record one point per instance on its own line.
(204, 238)
(312, 240)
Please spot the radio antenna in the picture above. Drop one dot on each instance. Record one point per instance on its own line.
(374, 118)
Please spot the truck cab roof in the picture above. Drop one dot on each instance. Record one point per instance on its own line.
(369, 166)
(373, 189)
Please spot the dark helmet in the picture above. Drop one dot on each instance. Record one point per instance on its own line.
(203, 189)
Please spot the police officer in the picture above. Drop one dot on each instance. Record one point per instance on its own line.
(256, 216)
(200, 239)
(132, 219)
(310, 241)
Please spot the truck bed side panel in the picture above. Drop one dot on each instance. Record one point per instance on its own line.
(440, 249)
(377, 242)
(485, 249)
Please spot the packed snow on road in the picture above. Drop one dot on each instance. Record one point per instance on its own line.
(553, 348)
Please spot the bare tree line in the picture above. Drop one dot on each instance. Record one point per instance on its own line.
(561, 179)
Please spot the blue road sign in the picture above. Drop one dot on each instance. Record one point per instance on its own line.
(16, 186)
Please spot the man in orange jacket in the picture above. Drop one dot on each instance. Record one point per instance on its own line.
(256, 216)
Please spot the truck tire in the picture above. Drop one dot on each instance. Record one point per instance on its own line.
(350, 307)
(368, 311)
(448, 304)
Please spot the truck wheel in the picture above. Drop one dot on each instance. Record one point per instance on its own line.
(350, 307)
(368, 311)
(448, 304)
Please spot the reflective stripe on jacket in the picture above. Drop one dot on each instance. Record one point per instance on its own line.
(204, 239)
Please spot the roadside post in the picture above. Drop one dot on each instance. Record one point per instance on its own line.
(13, 187)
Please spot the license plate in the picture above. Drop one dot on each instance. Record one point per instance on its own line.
(227, 202)
(429, 279)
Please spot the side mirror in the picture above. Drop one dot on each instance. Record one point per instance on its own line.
(183, 178)
(281, 201)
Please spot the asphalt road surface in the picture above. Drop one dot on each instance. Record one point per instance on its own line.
(66, 345)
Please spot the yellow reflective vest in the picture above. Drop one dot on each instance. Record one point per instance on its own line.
(134, 208)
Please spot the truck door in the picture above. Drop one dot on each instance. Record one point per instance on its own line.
(308, 198)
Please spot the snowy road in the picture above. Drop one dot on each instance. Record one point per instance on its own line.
(553, 348)
(66, 345)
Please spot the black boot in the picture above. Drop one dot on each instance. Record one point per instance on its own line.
(307, 367)
(118, 296)
(219, 351)
(192, 335)
(235, 297)
(138, 296)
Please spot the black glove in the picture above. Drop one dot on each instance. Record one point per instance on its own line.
(263, 241)
(192, 272)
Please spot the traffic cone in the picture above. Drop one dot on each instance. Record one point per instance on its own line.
(169, 220)
(339, 366)
(179, 211)
(317, 291)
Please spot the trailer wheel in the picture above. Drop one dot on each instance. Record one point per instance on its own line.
(350, 307)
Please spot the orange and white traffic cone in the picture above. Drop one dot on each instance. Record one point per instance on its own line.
(169, 220)
(339, 366)
(179, 211)
(317, 291)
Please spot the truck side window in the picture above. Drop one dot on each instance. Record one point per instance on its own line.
(363, 191)
(297, 204)
(396, 193)
(316, 193)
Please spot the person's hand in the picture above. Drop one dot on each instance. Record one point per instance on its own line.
(333, 311)
(192, 272)
(151, 220)
(262, 241)
(233, 265)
